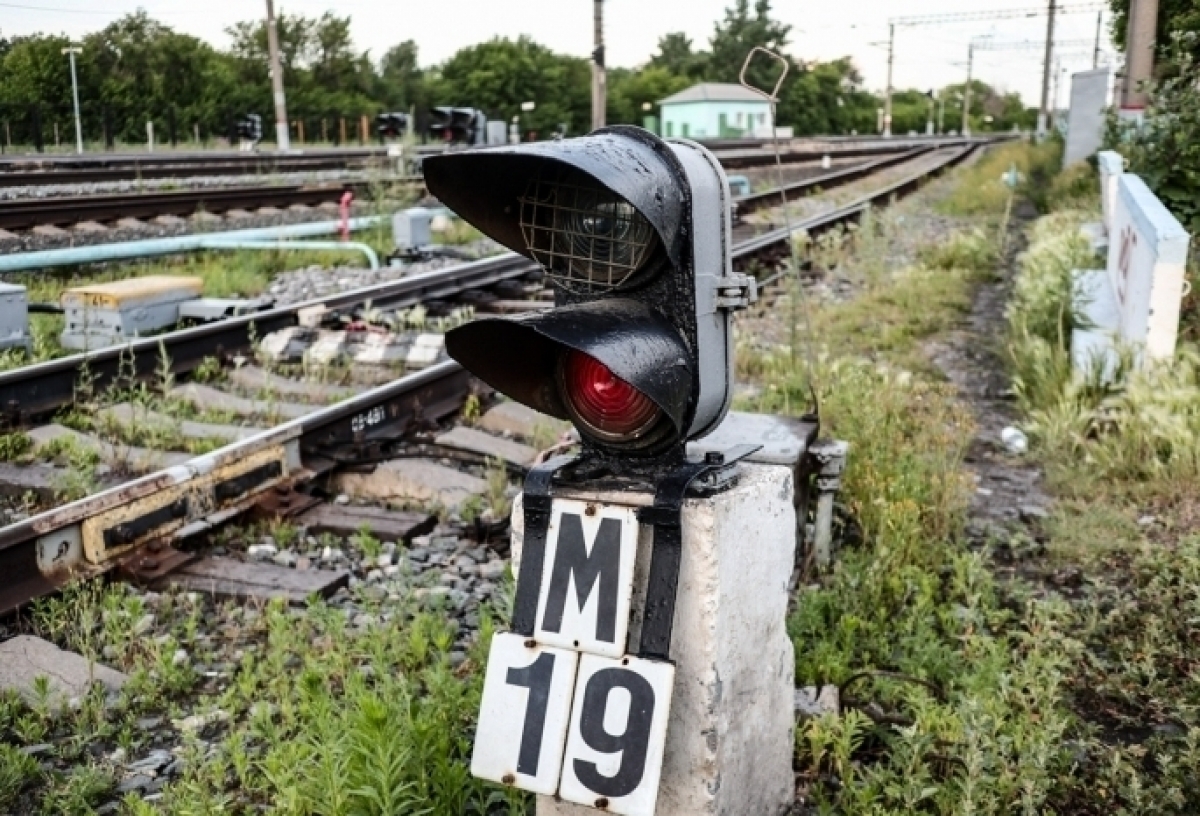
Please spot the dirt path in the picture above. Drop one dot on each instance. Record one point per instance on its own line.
(1008, 497)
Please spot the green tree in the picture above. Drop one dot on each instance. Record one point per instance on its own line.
(827, 98)
(677, 57)
(1165, 151)
(739, 33)
(401, 80)
(499, 75)
(630, 91)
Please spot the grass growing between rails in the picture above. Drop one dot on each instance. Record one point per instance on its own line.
(269, 709)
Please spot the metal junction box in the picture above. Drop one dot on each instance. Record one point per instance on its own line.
(14, 316)
(106, 314)
(411, 228)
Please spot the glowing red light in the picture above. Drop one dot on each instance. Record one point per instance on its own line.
(603, 401)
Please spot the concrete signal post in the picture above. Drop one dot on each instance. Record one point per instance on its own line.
(71, 51)
(648, 669)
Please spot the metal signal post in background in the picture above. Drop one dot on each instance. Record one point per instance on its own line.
(71, 51)
(1044, 110)
(599, 75)
(282, 137)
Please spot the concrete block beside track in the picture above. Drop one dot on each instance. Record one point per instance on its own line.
(413, 480)
(25, 658)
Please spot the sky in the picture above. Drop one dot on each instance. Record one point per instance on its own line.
(926, 56)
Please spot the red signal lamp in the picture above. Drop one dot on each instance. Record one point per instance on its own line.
(608, 407)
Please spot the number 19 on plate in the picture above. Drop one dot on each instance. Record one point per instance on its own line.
(591, 729)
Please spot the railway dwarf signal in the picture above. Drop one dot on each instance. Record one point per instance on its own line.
(462, 125)
(249, 130)
(633, 233)
(391, 125)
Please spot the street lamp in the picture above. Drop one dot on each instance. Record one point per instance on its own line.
(71, 51)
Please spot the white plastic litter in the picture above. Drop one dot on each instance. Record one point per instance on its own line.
(1015, 440)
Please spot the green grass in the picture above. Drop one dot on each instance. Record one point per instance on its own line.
(1064, 683)
(316, 715)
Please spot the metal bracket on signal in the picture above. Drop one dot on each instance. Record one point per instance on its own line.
(716, 470)
(736, 292)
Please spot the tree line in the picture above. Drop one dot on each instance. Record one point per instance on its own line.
(137, 70)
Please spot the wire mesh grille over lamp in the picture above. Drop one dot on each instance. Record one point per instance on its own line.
(587, 238)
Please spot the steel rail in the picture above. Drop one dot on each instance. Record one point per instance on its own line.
(138, 172)
(770, 198)
(19, 214)
(41, 554)
(847, 213)
(88, 536)
(734, 159)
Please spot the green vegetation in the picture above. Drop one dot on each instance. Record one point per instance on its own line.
(123, 74)
(1121, 453)
(1165, 151)
(315, 714)
(978, 730)
(1054, 675)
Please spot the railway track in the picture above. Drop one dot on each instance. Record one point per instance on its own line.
(22, 172)
(132, 524)
(28, 213)
(24, 214)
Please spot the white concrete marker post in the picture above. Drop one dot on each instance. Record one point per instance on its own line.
(1086, 117)
(729, 722)
(1112, 165)
(1135, 301)
(1147, 257)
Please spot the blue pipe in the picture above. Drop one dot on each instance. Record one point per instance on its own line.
(129, 250)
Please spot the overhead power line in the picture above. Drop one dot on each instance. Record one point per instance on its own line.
(987, 44)
(984, 16)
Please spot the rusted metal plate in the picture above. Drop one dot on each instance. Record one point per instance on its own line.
(285, 501)
(153, 561)
(384, 525)
(241, 580)
(114, 532)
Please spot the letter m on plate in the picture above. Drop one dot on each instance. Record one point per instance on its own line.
(587, 580)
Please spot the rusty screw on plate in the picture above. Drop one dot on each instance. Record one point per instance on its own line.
(155, 546)
(531, 644)
(508, 779)
(602, 803)
(591, 510)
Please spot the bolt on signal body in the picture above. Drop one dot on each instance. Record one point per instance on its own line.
(634, 235)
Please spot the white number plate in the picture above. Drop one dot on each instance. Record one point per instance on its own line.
(618, 732)
(524, 714)
(587, 578)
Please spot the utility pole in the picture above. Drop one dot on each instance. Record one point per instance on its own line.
(966, 123)
(281, 119)
(941, 128)
(1058, 69)
(599, 80)
(1139, 54)
(1099, 32)
(1044, 113)
(887, 102)
(71, 51)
